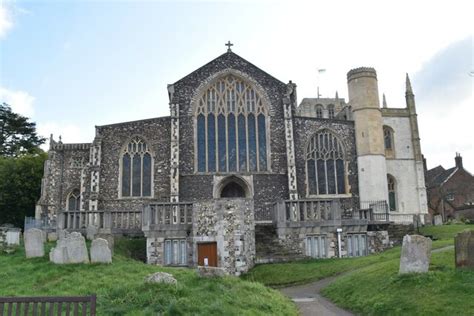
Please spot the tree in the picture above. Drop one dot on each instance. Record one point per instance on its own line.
(17, 135)
(20, 186)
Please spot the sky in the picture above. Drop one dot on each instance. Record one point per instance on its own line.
(71, 65)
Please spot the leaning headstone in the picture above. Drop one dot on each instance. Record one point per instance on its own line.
(34, 246)
(438, 220)
(13, 237)
(70, 249)
(161, 277)
(100, 252)
(416, 254)
(464, 249)
(91, 231)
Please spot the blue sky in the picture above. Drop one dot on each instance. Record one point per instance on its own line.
(70, 65)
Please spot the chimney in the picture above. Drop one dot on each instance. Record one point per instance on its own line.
(458, 160)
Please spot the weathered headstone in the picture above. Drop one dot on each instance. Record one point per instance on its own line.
(71, 248)
(416, 254)
(91, 231)
(100, 252)
(109, 238)
(53, 236)
(13, 237)
(160, 277)
(438, 220)
(464, 249)
(34, 246)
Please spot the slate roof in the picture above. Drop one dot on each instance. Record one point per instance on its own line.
(436, 176)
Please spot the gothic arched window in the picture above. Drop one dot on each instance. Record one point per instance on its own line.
(388, 141)
(137, 170)
(231, 128)
(325, 165)
(74, 200)
(319, 111)
(392, 193)
(331, 111)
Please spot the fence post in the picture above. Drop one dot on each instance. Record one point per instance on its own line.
(107, 222)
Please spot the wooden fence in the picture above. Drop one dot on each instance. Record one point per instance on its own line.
(48, 306)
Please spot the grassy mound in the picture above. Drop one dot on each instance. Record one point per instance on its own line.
(379, 290)
(121, 291)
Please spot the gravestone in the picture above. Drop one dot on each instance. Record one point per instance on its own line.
(464, 249)
(91, 231)
(100, 251)
(438, 220)
(416, 254)
(53, 236)
(110, 240)
(34, 246)
(71, 248)
(13, 237)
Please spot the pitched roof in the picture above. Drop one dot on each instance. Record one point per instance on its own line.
(436, 176)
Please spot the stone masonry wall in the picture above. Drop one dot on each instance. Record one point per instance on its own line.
(156, 132)
(305, 128)
(230, 223)
(195, 187)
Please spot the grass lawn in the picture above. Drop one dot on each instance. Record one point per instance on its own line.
(121, 291)
(373, 286)
(379, 290)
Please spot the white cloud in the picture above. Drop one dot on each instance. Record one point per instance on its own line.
(6, 22)
(20, 101)
(70, 133)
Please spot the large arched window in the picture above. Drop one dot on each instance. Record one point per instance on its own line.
(137, 170)
(325, 165)
(392, 193)
(231, 126)
(74, 200)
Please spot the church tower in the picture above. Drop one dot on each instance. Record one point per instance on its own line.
(364, 99)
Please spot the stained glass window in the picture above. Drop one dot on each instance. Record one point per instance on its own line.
(325, 165)
(137, 169)
(236, 126)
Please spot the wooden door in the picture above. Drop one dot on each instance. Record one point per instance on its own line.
(207, 250)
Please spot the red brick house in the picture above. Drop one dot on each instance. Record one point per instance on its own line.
(450, 191)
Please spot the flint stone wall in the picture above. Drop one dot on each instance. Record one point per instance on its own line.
(230, 223)
(464, 249)
(100, 251)
(416, 254)
(34, 246)
(71, 248)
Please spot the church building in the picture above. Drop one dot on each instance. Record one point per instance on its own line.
(240, 173)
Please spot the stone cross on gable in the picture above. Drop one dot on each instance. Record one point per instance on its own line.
(229, 44)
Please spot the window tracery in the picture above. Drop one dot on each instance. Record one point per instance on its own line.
(319, 111)
(331, 111)
(74, 200)
(231, 128)
(136, 175)
(392, 193)
(325, 165)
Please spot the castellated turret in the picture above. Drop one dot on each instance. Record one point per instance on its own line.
(364, 99)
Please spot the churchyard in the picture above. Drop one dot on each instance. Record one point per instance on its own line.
(367, 285)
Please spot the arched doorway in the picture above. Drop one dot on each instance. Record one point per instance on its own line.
(233, 188)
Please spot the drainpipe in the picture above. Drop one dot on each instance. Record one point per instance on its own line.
(339, 248)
